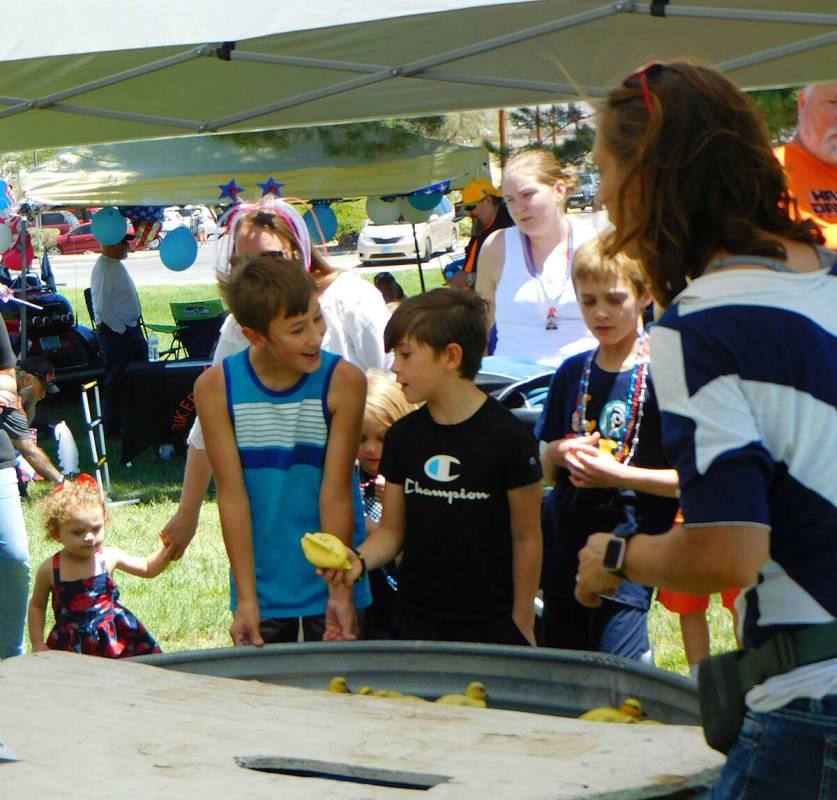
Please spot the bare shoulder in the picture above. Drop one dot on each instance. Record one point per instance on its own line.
(211, 379)
(113, 557)
(348, 377)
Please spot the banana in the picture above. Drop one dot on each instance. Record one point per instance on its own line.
(326, 551)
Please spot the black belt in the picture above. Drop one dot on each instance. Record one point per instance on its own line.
(785, 651)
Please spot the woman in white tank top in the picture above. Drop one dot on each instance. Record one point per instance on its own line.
(524, 272)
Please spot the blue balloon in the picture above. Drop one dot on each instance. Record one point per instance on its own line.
(179, 249)
(327, 220)
(109, 226)
(424, 202)
(4, 200)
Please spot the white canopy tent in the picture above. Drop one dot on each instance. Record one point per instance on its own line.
(190, 169)
(140, 69)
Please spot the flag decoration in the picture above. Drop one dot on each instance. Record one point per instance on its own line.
(270, 186)
(146, 221)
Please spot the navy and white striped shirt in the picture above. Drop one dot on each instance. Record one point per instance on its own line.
(745, 366)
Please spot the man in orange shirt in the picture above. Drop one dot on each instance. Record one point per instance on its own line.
(810, 159)
(483, 203)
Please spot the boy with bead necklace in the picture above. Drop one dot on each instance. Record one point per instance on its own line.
(601, 447)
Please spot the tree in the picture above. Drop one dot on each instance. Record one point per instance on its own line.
(779, 109)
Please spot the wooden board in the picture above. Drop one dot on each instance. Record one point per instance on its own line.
(87, 728)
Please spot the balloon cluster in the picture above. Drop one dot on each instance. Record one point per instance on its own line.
(412, 208)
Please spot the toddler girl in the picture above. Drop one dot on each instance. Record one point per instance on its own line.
(385, 405)
(85, 601)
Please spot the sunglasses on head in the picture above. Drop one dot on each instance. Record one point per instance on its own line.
(642, 74)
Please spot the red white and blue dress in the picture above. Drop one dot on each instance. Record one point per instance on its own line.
(89, 618)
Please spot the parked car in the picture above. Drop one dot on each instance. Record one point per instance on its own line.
(62, 221)
(80, 240)
(378, 243)
(585, 195)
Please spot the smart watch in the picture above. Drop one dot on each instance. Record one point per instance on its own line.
(614, 555)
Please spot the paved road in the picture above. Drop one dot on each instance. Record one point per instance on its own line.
(146, 268)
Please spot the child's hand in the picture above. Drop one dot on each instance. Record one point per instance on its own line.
(596, 470)
(380, 482)
(40, 647)
(559, 450)
(245, 627)
(341, 617)
(342, 577)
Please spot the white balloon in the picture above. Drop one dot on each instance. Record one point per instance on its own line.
(5, 236)
(382, 212)
(412, 214)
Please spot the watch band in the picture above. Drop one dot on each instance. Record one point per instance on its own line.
(614, 555)
(362, 564)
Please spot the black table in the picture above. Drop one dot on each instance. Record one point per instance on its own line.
(157, 404)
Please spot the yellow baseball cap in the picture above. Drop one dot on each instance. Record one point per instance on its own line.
(477, 189)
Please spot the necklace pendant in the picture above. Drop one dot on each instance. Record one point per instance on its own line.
(552, 319)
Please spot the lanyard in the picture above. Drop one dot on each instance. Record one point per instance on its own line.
(537, 275)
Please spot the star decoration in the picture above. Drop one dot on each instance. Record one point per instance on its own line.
(231, 190)
(270, 186)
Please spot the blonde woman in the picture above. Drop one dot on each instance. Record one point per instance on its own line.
(524, 272)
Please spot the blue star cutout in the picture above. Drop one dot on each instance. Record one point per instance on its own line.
(270, 186)
(231, 190)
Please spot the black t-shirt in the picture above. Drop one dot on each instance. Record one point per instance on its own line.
(457, 563)
(7, 360)
(572, 514)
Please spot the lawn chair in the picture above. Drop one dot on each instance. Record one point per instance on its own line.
(198, 325)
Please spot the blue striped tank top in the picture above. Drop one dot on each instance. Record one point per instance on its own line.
(281, 438)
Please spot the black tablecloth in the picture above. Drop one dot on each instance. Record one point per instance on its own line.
(157, 404)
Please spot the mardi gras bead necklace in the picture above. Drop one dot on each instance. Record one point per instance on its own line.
(624, 448)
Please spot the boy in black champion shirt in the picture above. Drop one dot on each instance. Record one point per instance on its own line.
(463, 486)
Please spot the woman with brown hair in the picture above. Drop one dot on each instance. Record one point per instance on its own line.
(524, 272)
(744, 362)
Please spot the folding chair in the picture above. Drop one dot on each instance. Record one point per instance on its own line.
(198, 325)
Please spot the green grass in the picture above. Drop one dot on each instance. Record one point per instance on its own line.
(186, 607)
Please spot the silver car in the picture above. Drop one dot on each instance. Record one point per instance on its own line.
(381, 243)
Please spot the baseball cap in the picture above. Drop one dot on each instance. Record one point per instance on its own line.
(43, 369)
(477, 189)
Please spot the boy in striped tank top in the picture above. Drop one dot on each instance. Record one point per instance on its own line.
(282, 423)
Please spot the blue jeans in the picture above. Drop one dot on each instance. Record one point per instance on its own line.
(784, 754)
(14, 567)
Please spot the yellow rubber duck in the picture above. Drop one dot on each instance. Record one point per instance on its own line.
(607, 715)
(365, 690)
(339, 685)
(475, 696)
(633, 708)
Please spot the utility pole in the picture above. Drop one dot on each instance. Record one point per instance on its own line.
(501, 122)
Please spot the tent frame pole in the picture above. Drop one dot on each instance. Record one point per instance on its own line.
(422, 69)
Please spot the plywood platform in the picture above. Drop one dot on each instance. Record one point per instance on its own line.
(93, 728)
